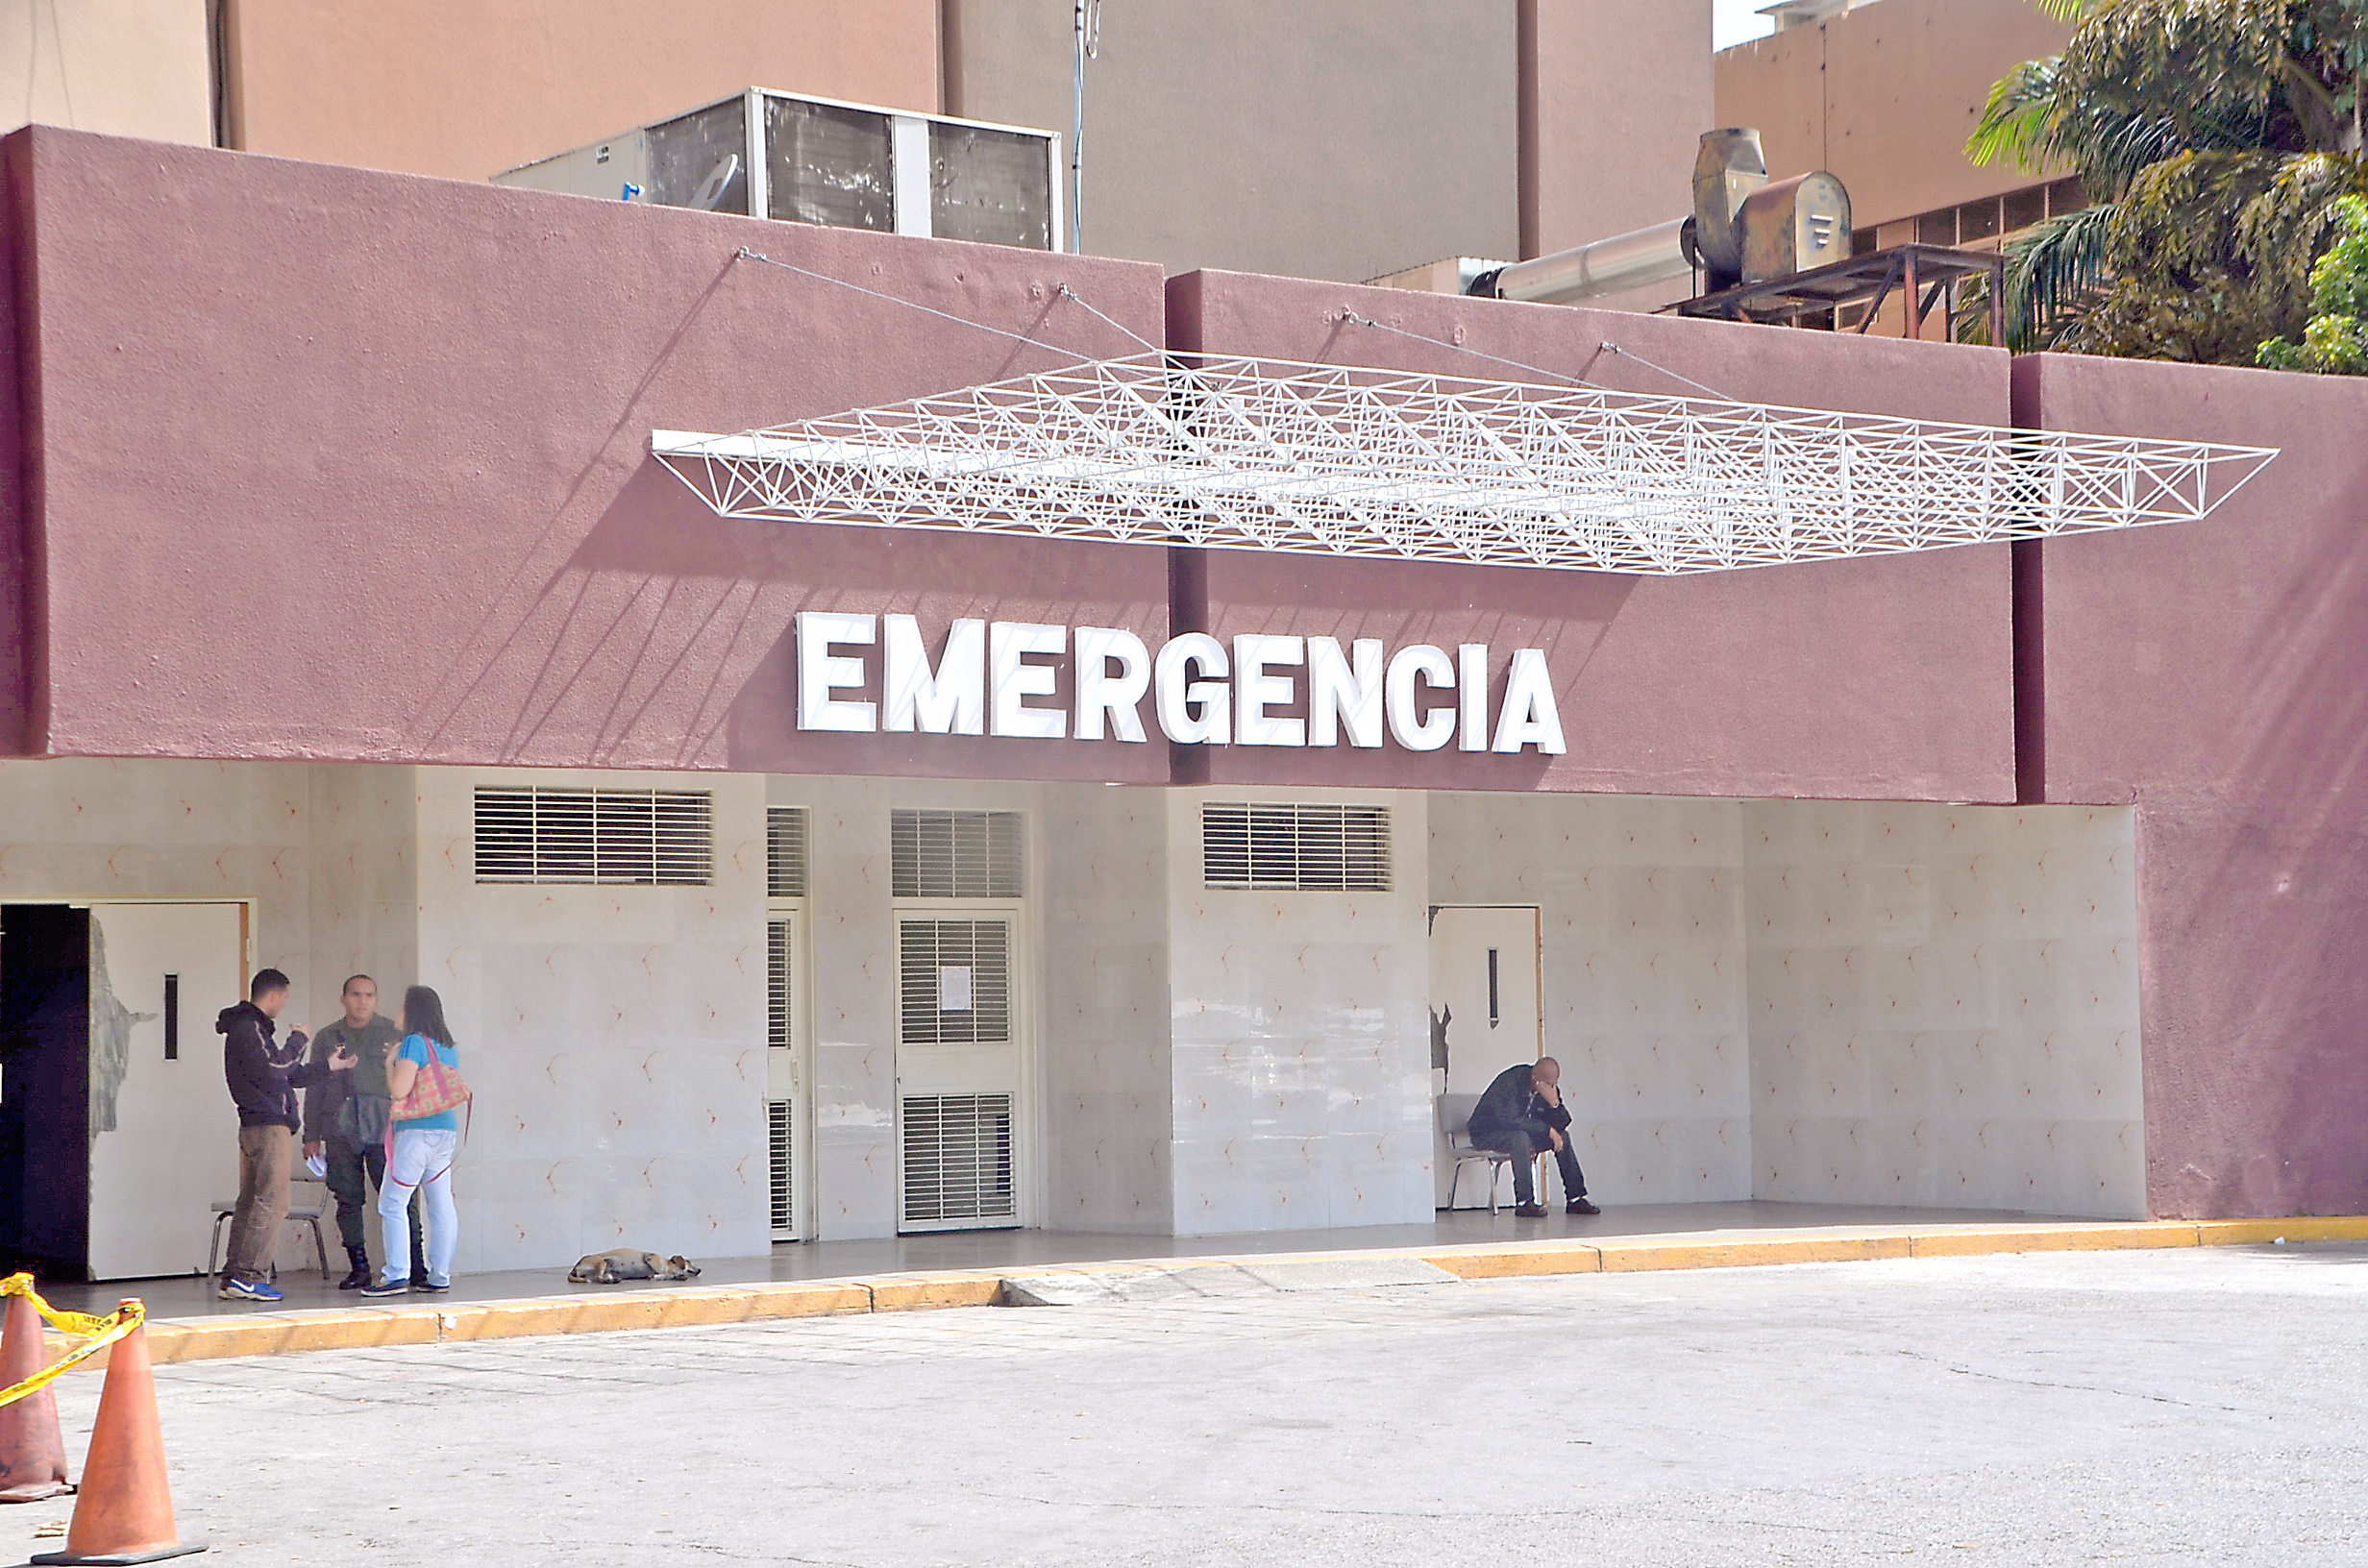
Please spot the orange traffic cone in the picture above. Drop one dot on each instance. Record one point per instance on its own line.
(32, 1453)
(124, 1510)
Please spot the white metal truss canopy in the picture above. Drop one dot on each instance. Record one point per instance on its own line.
(1273, 455)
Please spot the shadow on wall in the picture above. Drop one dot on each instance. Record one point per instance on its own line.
(626, 637)
(509, 633)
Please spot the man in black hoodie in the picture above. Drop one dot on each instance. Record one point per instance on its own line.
(264, 1082)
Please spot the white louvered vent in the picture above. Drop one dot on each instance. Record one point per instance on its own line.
(1295, 847)
(777, 985)
(957, 1158)
(651, 837)
(955, 854)
(785, 1193)
(786, 851)
(781, 1077)
(953, 983)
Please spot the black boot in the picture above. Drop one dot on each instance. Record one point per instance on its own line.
(360, 1273)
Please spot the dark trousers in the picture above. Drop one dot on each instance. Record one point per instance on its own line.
(348, 1165)
(1525, 1151)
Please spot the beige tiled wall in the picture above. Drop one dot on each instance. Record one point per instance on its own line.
(363, 844)
(614, 1035)
(1302, 1039)
(1832, 1002)
(1858, 1003)
(1109, 1093)
(1944, 1006)
(83, 828)
(1641, 912)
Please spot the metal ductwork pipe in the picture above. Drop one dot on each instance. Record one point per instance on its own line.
(1728, 167)
(1742, 228)
(1608, 266)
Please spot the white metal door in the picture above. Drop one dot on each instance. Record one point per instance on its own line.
(1485, 1013)
(785, 1078)
(958, 1069)
(164, 1135)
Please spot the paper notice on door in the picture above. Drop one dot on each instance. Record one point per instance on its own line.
(954, 989)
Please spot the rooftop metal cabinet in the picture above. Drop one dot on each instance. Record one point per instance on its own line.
(817, 161)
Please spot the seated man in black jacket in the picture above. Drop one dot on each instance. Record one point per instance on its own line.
(1522, 1114)
(263, 1079)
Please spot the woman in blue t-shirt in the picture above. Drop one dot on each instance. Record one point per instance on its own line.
(421, 1155)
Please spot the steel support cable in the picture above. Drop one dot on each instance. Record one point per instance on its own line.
(1067, 293)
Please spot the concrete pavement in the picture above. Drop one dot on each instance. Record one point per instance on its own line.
(2187, 1406)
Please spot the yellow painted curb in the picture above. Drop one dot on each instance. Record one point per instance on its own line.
(2238, 1233)
(920, 1295)
(280, 1333)
(1801, 1249)
(1518, 1263)
(1988, 1240)
(368, 1328)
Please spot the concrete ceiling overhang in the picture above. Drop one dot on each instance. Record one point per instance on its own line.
(1268, 455)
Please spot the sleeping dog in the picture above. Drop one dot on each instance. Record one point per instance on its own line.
(609, 1268)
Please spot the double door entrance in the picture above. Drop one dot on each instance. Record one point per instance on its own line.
(960, 1070)
(959, 1022)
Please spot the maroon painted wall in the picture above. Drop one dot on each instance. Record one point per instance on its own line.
(17, 611)
(2212, 672)
(1886, 678)
(348, 465)
(352, 465)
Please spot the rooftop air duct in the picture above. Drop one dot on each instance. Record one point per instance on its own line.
(1744, 229)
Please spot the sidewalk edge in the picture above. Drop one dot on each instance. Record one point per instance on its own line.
(370, 1328)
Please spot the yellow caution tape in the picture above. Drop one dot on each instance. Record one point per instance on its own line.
(98, 1333)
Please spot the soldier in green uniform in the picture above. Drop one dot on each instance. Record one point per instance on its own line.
(345, 1122)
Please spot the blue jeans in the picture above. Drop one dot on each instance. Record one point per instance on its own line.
(423, 1160)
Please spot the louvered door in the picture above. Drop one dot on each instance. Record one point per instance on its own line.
(783, 1077)
(958, 1069)
(788, 835)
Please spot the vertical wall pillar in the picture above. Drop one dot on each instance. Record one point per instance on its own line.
(2029, 636)
(2028, 584)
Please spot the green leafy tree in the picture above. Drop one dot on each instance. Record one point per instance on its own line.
(2335, 343)
(2214, 139)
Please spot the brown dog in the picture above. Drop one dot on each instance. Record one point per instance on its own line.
(624, 1264)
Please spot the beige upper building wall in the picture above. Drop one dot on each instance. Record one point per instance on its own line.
(1884, 97)
(1621, 98)
(464, 90)
(128, 67)
(1322, 138)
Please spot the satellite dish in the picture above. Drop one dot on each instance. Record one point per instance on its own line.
(710, 192)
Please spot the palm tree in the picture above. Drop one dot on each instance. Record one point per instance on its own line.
(2214, 139)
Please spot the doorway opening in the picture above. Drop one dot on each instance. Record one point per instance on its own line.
(117, 1134)
(1485, 1015)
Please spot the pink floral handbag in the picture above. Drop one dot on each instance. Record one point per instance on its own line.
(436, 1089)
